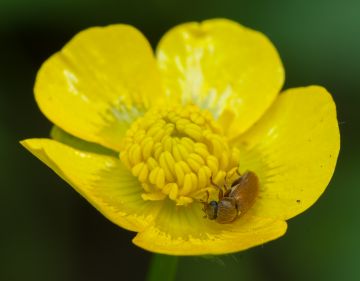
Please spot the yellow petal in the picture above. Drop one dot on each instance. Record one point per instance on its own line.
(293, 149)
(180, 230)
(70, 140)
(99, 83)
(102, 180)
(231, 70)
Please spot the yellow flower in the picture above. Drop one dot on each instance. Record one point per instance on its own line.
(143, 136)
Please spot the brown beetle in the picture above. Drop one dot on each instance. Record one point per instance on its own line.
(236, 201)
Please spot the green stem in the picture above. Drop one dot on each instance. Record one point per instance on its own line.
(162, 268)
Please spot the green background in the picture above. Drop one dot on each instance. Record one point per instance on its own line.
(48, 232)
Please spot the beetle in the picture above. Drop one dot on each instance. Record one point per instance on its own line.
(236, 200)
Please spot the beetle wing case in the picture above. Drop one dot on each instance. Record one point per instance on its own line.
(245, 191)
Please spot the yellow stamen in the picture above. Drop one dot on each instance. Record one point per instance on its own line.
(177, 153)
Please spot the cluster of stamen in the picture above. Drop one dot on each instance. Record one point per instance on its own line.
(178, 153)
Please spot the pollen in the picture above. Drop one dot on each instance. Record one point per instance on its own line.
(179, 153)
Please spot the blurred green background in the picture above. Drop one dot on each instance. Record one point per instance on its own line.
(48, 232)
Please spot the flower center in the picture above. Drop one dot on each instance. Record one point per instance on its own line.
(178, 153)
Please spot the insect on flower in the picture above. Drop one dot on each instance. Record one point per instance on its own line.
(236, 201)
(144, 134)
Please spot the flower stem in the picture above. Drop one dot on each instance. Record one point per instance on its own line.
(162, 268)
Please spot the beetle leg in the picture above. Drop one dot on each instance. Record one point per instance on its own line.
(227, 192)
(207, 196)
(221, 193)
(230, 175)
(226, 183)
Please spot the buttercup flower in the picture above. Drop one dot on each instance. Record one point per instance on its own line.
(146, 139)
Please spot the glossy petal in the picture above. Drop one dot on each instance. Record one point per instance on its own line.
(233, 71)
(183, 231)
(293, 149)
(102, 180)
(99, 83)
